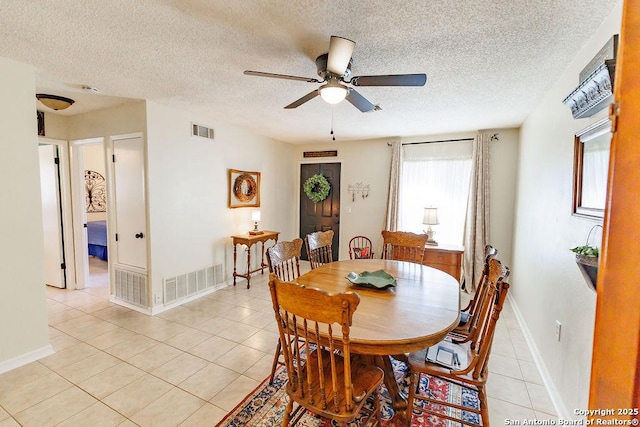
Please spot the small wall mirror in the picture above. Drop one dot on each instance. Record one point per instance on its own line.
(590, 169)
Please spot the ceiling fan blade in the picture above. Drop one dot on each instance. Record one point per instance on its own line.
(360, 102)
(281, 76)
(340, 51)
(390, 80)
(299, 102)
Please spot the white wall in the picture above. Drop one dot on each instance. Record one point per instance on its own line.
(546, 283)
(56, 126)
(369, 162)
(503, 163)
(118, 120)
(361, 161)
(190, 223)
(23, 311)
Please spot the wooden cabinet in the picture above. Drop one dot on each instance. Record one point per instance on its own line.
(447, 258)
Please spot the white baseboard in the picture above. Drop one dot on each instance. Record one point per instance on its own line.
(152, 311)
(25, 359)
(143, 310)
(164, 307)
(559, 405)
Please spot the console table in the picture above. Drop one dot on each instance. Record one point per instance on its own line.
(249, 240)
(447, 258)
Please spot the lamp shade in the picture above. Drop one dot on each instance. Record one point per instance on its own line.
(430, 216)
(333, 92)
(255, 216)
(54, 102)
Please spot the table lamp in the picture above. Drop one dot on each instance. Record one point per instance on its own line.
(430, 218)
(255, 217)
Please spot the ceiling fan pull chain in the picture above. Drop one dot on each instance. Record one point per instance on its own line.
(333, 136)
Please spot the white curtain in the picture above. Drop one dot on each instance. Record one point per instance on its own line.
(595, 164)
(436, 174)
(391, 219)
(476, 234)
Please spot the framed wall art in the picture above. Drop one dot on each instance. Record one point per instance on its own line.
(40, 116)
(95, 192)
(244, 189)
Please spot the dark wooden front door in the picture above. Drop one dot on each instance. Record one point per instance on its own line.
(324, 215)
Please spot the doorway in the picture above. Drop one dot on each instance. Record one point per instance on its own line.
(324, 215)
(95, 187)
(90, 214)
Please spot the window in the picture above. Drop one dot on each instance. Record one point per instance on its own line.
(436, 174)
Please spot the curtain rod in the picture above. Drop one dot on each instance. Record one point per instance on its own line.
(494, 137)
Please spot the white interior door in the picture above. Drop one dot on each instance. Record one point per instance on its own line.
(79, 215)
(131, 224)
(51, 220)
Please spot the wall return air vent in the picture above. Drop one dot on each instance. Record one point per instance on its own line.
(201, 131)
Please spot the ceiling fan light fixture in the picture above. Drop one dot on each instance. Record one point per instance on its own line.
(54, 102)
(333, 92)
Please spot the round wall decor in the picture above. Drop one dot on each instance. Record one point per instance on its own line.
(245, 187)
(317, 188)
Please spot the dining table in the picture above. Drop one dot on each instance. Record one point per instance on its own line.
(416, 313)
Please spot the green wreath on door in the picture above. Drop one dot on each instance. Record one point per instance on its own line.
(317, 188)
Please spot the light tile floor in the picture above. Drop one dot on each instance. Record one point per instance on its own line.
(190, 365)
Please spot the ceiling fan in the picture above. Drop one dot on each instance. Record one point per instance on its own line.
(334, 68)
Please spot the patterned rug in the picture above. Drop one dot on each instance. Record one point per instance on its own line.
(264, 407)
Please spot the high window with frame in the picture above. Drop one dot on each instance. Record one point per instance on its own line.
(438, 175)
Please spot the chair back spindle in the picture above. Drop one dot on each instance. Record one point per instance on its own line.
(469, 313)
(496, 273)
(321, 378)
(318, 247)
(360, 247)
(475, 373)
(403, 246)
(284, 259)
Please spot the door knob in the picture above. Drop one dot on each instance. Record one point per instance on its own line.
(139, 236)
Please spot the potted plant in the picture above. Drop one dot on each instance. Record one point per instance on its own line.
(587, 261)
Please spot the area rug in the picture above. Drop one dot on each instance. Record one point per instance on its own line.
(265, 406)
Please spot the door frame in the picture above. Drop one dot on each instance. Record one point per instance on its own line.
(66, 206)
(299, 183)
(112, 219)
(615, 366)
(80, 240)
(111, 214)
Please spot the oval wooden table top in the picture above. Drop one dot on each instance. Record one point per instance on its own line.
(417, 313)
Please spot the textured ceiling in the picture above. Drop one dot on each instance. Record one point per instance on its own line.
(488, 62)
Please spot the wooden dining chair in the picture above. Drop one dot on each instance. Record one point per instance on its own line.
(323, 377)
(318, 247)
(468, 313)
(403, 246)
(471, 371)
(360, 247)
(283, 259)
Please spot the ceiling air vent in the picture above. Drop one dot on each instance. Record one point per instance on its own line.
(202, 131)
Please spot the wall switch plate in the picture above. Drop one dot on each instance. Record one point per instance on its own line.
(558, 330)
